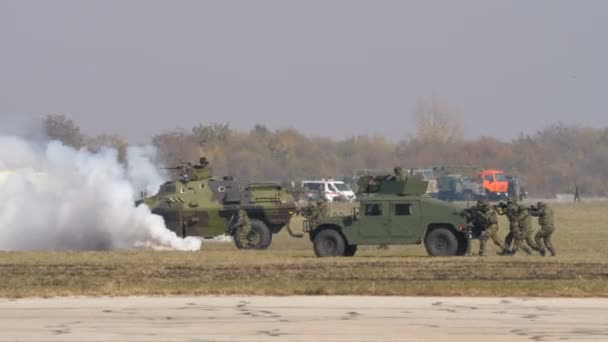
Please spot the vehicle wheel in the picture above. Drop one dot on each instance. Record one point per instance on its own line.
(350, 250)
(329, 243)
(259, 237)
(463, 243)
(441, 242)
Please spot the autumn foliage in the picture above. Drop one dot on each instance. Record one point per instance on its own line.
(551, 161)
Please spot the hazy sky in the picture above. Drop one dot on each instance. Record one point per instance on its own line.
(331, 68)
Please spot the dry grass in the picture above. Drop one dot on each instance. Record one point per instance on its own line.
(289, 267)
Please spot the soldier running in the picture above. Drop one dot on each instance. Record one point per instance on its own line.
(545, 220)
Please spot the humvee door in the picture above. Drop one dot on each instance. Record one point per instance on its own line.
(405, 220)
(374, 220)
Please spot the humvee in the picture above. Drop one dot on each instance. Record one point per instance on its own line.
(197, 204)
(393, 212)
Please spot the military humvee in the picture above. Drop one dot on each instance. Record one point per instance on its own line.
(393, 212)
(199, 205)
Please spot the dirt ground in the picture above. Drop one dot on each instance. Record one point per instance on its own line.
(289, 267)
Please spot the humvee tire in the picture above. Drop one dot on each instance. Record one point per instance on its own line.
(259, 237)
(441, 242)
(350, 250)
(329, 243)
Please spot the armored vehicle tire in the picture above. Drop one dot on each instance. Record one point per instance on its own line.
(329, 243)
(350, 250)
(441, 242)
(259, 237)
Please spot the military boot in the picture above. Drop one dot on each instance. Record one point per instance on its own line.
(542, 251)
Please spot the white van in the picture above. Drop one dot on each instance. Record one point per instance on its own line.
(327, 190)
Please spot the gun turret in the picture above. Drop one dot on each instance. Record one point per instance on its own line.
(189, 172)
(388, 184)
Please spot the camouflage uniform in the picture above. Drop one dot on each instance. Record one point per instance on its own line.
(545, 220)
(515, 233)
(242, 227)
(399, 174)
(314, 213)
(491, 228)
(525, 226)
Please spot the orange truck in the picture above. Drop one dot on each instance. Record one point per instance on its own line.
(495, 182)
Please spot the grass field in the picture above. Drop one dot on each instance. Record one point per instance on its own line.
(289, 267)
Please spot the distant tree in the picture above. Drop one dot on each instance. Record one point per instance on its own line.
(435, 122)
(114, 141)
(176, 145)
(212, 134)
(60, 127)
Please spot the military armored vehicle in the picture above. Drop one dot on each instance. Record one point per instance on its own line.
(197, 204)
(456, 187)
(393, 211)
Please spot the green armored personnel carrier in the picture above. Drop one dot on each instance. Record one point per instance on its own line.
(393, 211)
(197, 204)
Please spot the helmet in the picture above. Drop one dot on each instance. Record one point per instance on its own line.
(541, 204)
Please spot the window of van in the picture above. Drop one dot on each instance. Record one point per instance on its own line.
(342, 186)
(313, 186)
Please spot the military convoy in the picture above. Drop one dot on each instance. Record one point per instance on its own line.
(197, 204)
(393, 212)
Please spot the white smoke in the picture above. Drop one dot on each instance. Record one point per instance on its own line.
(56, 197)
(142, 175)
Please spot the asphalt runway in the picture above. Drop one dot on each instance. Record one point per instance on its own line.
(303, 319)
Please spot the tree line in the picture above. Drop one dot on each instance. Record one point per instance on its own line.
(551, 161)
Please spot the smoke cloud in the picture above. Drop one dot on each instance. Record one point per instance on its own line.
(58, 198)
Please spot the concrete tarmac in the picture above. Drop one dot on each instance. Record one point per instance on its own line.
(328, 318)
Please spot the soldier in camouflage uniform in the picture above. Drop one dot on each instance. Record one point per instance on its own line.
(399, 174)
(525, 227)
(489, 217)
(545, 220)
(515, 234)
(242, 227)
(314, 213)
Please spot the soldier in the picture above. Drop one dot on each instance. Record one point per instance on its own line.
(545, 220)
(203, 169)
(399, 174)
(475, 221)
(577, 194)
(511, 209)
(242, 227)
(323, 209)
(315, 212)
(525, 226)
(491, 228)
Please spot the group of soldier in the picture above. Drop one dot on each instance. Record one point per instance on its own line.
(484, 217)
